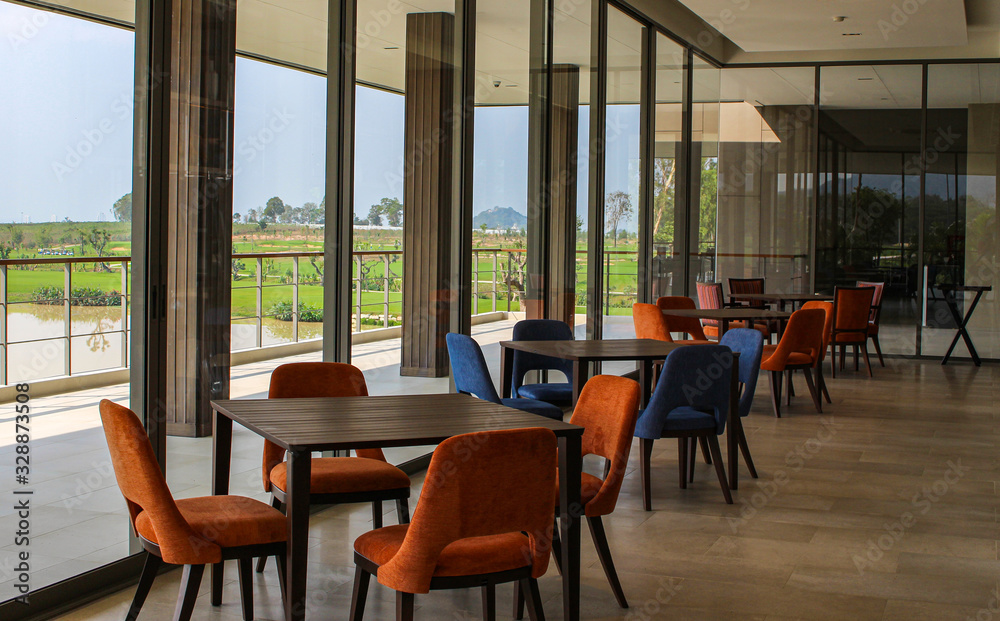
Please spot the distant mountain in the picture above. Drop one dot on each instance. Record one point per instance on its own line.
(501, 218)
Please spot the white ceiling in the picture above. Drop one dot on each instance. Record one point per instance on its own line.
(798, 25)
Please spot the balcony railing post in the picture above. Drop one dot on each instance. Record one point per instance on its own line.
(385, 289)
(607, 287)
(124, 313)
(68, 317)
(509, 279)
(475, 282)
(295, 299)
(359, 262)
(3, 324)
(259, 311)
(494, 293)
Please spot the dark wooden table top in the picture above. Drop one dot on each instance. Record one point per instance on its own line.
(729, 314)
(370, 422)
(603, 349)
(969, 288)
(784, 297)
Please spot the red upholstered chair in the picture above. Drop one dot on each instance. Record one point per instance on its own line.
(335, 480)
(607, 410)
(800, 347)
(851, 312)
(875, 316)
(738, 286)
(192, 532)
(688, 325)
(710, 296)
(483, 519)
(826, 307)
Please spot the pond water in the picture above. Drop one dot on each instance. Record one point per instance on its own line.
(36, 347)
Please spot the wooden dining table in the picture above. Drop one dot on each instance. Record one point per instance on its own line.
(644, 351)
(782, 300)
(304, 426)
(725, 316)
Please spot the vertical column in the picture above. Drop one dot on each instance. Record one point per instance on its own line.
(195, 202)
(563, 126)
(428, 194)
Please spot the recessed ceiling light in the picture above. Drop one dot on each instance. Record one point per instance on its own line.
(839, 18)
(850, 34)
(511, 85)
(865, 79)
(391, 48)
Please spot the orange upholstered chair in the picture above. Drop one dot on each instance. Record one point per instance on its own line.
(875, 317)
(851, 312)
(687, 325)
(335, 480)
(650, 322)
(484, 518)
(607, 411)
(192, 532)
(826, 307)
(800, 347)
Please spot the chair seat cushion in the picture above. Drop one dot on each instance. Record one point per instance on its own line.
(535, 407)
(465, 557)
(794, 359)
(687, 419)
(339, 475)
(228, 521)
(711, 330)
(552, 392)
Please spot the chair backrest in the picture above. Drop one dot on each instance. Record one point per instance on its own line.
(468, 366)
(539, 330)
(145, 489)
(749, 344)
(746, 285)
(710, 297)
(650, 323)
(479, 485)
(607, 410)
(687, 325)
(310, 380)
(827, 308)
(876, 299)
(694, 376)
(851, 310)
(802, 335)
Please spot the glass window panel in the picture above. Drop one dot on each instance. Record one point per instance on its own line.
(667, 277)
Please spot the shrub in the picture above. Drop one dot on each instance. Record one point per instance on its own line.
(79, 296)
(282, 311)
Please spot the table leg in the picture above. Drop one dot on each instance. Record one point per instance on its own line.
(732, 433)
(580, 376)
(299, 473)
(645, 381)
(507, 372)
(963, 331)
(222, 454)
(723, 327)
(570, 511)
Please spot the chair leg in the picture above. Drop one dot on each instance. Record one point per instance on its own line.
(868, 362)
(856, 367)
(645, 456)
(403, 511)
(682, 460)
(790, 389)
(360, 594)
(604, 553)
(262, 561)
(776, 392)
(878, 349)
(190, 583)
(146, 578)
(745, 449)
(404, 606)
(245, 566)
(518, 600)
(813, 391)
(821, 380)
(556, 545)
(720, 469)
(833, 360)
(217, 573)
(692, 453)
(529, 586)
(489, 602)
(705, 452)
(282, 574)
(377, 513)
(843, 356)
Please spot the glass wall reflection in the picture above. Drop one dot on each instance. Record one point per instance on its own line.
(706, 107)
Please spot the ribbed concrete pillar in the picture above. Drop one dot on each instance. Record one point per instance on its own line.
(199, 188)
(428, 294)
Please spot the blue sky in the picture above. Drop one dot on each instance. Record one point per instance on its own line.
(66, 136)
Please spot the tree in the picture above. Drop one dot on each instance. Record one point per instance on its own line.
(273, 210)
(44, 237)
(16, 235)
(252, 215)
(617, 206)
(99, 239)
(482, 227)
(237, 265)
(237, 217)
(375, 215)
(393, 210)
(122, 209)
(311, 213)
(664, 171)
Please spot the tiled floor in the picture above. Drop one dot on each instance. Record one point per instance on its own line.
(885, 507)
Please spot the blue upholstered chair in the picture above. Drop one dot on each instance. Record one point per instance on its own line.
(749, 344)
(691, 401)
(472, 377)
(557, 393)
